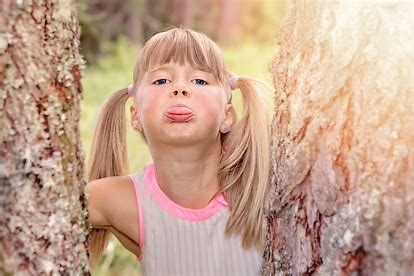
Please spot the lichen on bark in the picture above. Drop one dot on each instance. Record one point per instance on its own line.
(42, 191)
(342, 200)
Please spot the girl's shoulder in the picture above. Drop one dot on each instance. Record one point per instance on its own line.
(108, 194)
(108, 185)
(112, 205)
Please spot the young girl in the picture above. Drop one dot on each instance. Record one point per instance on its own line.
(199, 208)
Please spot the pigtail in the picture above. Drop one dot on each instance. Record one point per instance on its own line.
(244, 168)
(108, 157)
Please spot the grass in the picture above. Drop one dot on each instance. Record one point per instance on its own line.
(115, 72)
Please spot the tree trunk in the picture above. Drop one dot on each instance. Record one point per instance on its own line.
(43, 216)
(342, 200)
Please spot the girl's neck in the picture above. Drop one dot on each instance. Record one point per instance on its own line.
(188, 177)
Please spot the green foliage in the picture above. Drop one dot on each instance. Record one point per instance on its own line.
(260, 20)
(114, 72)
(103, 21)
(117, 261)
(91, 42)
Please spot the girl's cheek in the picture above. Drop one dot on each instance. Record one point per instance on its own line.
(211, 105)
(148, 104)
(215, 97)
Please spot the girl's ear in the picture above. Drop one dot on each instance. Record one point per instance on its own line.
(135, 122)
(228, 119)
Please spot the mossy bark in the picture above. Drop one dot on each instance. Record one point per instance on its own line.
(342, 200)
(43, 215)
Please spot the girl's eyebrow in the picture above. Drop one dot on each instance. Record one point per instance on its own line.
(169, 67)
(163, 67)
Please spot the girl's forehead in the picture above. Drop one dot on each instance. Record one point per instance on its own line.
(153, 64)
(171, 66)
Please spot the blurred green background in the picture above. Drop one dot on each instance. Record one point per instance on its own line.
(112, 34)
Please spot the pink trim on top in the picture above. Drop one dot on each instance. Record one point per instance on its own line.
(173, 208)
(140, 220)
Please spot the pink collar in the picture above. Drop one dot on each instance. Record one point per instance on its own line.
(173, 208)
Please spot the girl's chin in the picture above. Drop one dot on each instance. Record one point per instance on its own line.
(184, 132)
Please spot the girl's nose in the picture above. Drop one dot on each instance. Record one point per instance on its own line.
(176, 93)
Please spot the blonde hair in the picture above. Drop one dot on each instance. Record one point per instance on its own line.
(244, 165)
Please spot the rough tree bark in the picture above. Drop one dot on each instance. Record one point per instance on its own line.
(43, 217)
(342, 200)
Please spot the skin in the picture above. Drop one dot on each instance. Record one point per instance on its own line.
(186, 155)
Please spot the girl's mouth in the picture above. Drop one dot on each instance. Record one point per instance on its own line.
(179, 114)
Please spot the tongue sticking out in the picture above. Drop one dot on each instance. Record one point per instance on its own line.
(179, 114)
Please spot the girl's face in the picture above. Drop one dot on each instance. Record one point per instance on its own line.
(179, 104)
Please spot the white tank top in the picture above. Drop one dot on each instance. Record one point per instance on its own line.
(179, 241)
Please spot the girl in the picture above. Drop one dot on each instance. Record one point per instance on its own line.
(199, 208)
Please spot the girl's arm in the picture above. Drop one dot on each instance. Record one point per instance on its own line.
(98, 190)
(112, 206)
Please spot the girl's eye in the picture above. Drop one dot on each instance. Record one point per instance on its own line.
(200, 81)
(160, 81)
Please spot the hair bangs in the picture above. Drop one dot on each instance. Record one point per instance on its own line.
(181, 45)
